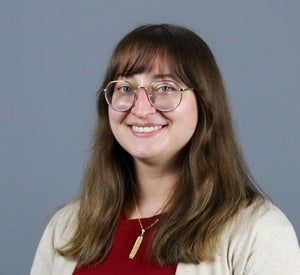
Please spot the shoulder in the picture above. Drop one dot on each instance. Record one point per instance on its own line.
(57, 233)
(262, 238)
(63, 223)
(66, 213)
(263, 214)
(262, 219)
(259, 240)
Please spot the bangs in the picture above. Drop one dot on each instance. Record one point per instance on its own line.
(139, 57)
(139, 51)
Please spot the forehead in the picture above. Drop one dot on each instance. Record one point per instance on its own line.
(157, 72)
(139, 58)
(154, 65)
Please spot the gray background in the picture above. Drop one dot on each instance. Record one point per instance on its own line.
(53, 55)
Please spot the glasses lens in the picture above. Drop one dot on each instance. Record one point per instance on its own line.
(165, 95)
(119, 95)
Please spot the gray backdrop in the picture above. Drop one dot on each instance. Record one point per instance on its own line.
(52, 58)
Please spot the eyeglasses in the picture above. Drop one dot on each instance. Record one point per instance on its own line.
(163, 95)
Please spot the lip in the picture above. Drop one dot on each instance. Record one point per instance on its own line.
(146, 129)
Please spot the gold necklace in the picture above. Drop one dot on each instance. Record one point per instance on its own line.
(140, 238)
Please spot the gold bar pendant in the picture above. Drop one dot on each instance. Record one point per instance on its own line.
(136, 246)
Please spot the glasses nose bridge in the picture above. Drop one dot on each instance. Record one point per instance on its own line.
(137, 91)
(139, 88)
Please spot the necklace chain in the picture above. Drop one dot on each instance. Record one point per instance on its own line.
(140, 238)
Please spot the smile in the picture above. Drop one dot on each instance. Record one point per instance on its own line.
(146, 129)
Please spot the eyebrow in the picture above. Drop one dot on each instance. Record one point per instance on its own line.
(162, 76)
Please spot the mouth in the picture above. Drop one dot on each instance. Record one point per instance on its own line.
(146, 129)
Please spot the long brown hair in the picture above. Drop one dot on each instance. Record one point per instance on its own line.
(214, 183)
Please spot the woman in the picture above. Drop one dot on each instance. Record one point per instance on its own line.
(166, 190)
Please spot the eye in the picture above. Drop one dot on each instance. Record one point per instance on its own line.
(165, 87)
(123, 88)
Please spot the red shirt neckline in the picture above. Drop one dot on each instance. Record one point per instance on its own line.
(117, 261)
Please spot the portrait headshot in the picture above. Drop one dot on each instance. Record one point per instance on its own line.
(150, 138)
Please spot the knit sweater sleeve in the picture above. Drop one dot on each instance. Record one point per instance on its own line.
(47, 261)
(275, 249)
(259, 241)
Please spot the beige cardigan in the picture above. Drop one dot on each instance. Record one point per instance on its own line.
(261, 242)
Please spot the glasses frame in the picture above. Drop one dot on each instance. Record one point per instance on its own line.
(149, 95)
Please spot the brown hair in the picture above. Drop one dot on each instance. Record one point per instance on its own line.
(214, 183)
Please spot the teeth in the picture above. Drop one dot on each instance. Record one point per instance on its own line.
(146, 129)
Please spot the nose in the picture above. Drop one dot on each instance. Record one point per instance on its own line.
(142, 106)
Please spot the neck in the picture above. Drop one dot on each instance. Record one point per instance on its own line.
(155, 186)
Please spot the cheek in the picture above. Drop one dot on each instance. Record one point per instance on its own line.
(189, 113)
(116, 120)
(115, 117)
(192, 110)
(194, 116)
(184, 121)
(191, 121)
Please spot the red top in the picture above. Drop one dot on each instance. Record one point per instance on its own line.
(118, 262)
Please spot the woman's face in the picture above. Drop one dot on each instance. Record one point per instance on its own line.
(150, 135)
